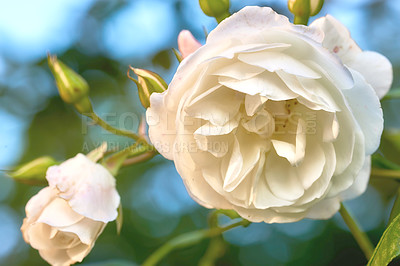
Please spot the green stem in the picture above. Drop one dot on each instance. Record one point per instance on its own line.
(96, 119)
(188, 239)
(217, 245)
(395, 174)
(140, 151)
(135, 153)
(230, 213)
(359, 235)
(222, 17)
(216, 249)
(392, 95)
(139, 158)
(303, 20)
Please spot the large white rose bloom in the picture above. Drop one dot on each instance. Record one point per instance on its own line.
(273, 120)
(64, 219)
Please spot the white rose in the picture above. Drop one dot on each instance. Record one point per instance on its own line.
(64, 219)
(273, 120)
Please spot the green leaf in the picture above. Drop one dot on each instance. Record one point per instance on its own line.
(388, 247)
(396, 207)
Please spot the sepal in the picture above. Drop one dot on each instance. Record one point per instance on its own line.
(148, 82)
(34, 172)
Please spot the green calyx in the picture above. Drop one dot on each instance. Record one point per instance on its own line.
(34, 172)
(147, 82)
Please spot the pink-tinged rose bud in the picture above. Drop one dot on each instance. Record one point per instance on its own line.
(64, 219)
(187, 43)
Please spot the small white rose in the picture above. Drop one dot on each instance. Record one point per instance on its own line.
(273, 120)
(64, 219)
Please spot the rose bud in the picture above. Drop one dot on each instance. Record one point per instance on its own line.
(219, 9)
(147, 83)
(64, 219)
(72, 87)
(302, 7)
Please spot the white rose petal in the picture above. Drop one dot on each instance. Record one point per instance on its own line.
(270, 119)
(376, 68)
(64, 219)
(97, 188)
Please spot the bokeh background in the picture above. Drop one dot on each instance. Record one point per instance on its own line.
(99, 39)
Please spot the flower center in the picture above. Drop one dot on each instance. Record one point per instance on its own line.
(273, 118)
(285, 116)
(262, 123)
